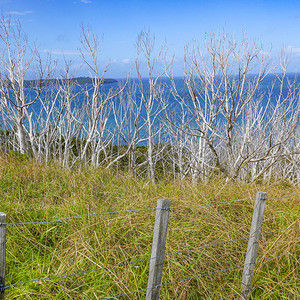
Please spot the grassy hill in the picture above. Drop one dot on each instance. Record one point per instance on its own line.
(36, 192)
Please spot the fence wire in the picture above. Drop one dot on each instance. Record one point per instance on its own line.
(230, 201)
(212, 204)
(172, 282)
(79, 273)
(287, 196)
(138, 261)
(140, 210)
(147, 259)
(193, 277)
(122, 211)
(258, 260)
(85, 215)
(228, 241)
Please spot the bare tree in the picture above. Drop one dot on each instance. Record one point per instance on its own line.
(151, 90)
(219, 87)
(127, 115)
(274, 126)
(223, 121)
(227, 111)
(17, 59)
(97, 100)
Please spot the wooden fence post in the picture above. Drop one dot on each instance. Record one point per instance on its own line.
(158, 248)
(2, 253)
(249, 265)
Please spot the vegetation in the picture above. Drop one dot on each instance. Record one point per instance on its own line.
(35, 191)
(73, 149)
(224, 116)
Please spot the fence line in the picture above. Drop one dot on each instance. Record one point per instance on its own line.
(211, 204)
(80, 216)
(287, 196)
(3, 224)
(142, 260)
(79, 273)
(228, 241)
(139, 210)
(118, 211)
(176, 281)
(261, 259)
(189, 278)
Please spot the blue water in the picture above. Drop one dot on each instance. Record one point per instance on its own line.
(79, 102)
(264, 88)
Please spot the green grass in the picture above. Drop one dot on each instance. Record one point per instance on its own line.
(36, 192)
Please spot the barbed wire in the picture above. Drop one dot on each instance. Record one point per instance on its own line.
(140, 210)
(189, 278)
(85, 215)
(143, 260)
(228, 241)
(261, 259)
(278, 256)
(121, 211)
(79, 273)
(211, 204)
(206, 246)
(172, 282)
(287, 196)
(278, 230)
(231, 201)
(137, 261)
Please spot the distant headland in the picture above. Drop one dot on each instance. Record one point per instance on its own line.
(75, 80)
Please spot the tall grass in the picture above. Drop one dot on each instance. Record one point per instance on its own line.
(38, 192)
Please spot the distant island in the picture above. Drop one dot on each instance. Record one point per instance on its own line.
(76, 80)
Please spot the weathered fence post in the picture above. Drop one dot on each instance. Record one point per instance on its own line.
(2, 253)
(158, 248)
(249, 265)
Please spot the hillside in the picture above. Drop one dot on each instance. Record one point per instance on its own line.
(33, 192)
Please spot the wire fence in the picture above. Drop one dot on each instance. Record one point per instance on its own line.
(121, 211)
(140, 210)
(4, 224)
(80, 216)
(193, 277)
(140, 260)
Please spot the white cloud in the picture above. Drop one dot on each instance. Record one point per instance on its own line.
(293, 50)
(126, 61)
(20, 13)
(122, 62)
(86, 1)
(62, 52)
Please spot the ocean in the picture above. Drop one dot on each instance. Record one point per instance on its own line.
(67, 109)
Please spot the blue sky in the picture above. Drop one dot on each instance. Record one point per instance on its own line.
(55, 25)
